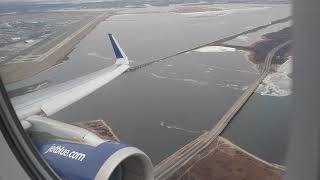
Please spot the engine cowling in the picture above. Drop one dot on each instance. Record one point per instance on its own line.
(109, 160)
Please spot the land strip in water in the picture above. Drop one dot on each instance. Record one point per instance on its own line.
(220, 160)
(224, 160)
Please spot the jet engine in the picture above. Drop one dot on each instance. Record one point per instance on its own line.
(78, 154)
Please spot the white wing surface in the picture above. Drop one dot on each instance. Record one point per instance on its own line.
(53, 99)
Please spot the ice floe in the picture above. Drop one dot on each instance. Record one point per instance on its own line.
(163, 124)
(180, 79)
(234, 86)
(243, 38)
(204, 13)
(279, 83)
(215, 49)
(95, 54)
(223, 11)
(212, 68)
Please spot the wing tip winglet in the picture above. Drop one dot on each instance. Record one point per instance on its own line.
(120, 55)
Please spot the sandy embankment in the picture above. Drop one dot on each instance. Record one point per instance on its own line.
(220, 160)
(12, 72)
(224, 160)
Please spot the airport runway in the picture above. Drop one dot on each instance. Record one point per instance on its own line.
(12, 72)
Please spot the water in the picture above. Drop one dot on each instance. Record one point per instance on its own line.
(141, 106)
(261, 127)
(164, 106)
(148, 36)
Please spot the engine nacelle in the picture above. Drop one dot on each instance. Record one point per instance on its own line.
(109, 160)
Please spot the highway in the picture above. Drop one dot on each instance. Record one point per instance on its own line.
(217, 43)
(166, 168)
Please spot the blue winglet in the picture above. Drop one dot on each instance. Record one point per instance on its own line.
(116, 48)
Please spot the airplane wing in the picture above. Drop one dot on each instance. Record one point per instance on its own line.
(53, 99)
(68, 144)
